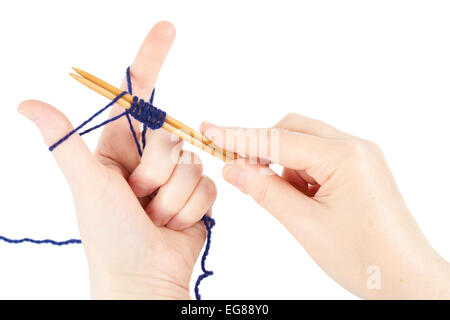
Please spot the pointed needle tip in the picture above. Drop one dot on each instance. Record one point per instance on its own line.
(77, 70)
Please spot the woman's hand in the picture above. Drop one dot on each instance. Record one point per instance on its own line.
(139, 219)
(339, 200)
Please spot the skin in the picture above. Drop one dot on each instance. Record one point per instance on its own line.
(338, 198)
(139, 243)
(139, 218)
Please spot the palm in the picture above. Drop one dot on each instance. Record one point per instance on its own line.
(128, 241)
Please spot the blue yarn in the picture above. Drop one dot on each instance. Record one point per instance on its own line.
(49, 241)
(133, 132)
(129, 84)
(144, 127)
(102, 123)
(150, 117)
(209, 224)
(67, 136)
(146, 113)
(143, 134)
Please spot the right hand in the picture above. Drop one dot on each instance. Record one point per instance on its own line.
(339, 200)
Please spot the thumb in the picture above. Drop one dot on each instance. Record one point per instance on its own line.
(73, 157)
(272, 192)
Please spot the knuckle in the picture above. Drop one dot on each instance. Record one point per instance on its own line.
(182, 222)
(360, 151)
(209, 187)
(179, 223)
(354, 148)
(167, 205)
(372, 146)
(162, 209)
(151, 177)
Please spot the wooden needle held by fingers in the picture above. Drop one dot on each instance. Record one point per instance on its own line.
(170, 124)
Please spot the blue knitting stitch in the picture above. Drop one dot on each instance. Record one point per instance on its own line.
(150, 117)
(145, 112)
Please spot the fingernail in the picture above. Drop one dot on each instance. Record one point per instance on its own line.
(236, 175)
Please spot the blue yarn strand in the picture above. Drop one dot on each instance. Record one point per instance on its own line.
(150, 117)
(209, 224)
(144, 126)
(129, 84)
(45, 241)
(67, 136)
(103, 123)
(152, 96)
(133, 132)
(143, 139)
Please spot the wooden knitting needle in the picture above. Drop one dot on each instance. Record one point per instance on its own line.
(175, 123)
(129, 98)
(210, 148)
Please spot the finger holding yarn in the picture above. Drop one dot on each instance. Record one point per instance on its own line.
(116, 141)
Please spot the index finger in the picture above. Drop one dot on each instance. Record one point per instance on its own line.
(116, 142)
(294, 150)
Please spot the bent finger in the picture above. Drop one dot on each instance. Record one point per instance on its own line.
(173, 195)
(272, 192)
(294, 150)
(196, 207)
(157, 163)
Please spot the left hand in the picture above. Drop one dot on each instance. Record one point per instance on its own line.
(139, 219)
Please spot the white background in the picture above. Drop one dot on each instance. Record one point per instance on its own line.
(376, 69)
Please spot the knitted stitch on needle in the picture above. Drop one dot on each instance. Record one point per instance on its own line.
(150, 117)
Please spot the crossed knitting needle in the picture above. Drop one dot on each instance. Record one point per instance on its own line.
(170, 124)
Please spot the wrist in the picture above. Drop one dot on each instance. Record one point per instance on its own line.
(116, 286)
(425, 278)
